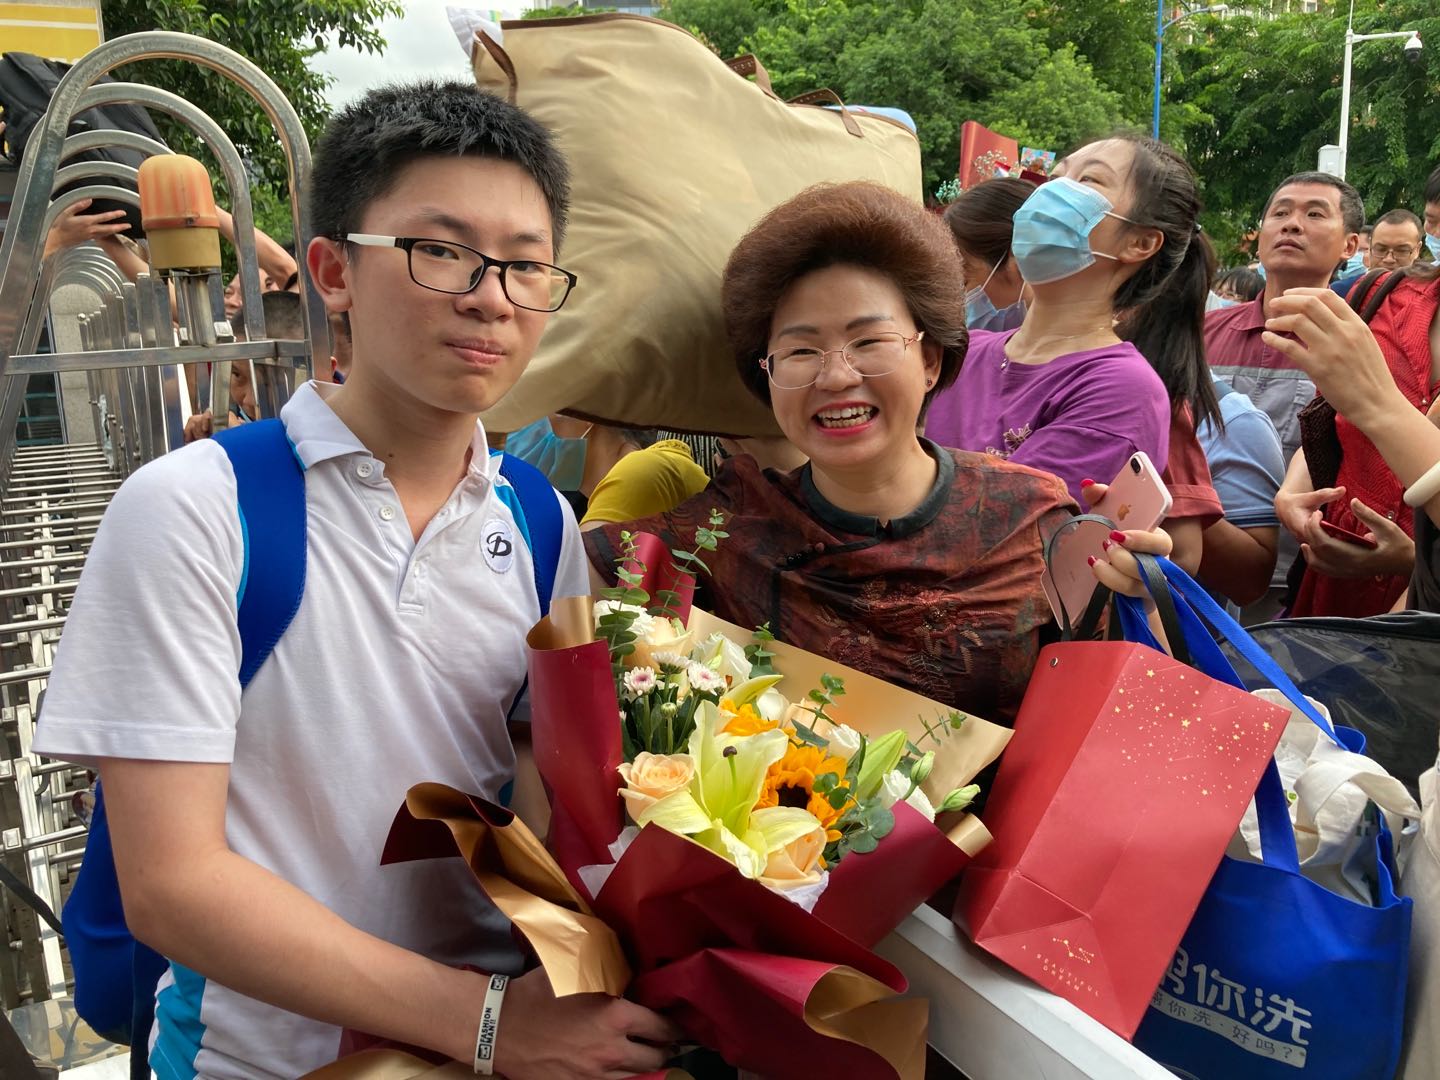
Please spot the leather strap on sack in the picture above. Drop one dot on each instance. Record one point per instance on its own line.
(748, 65)
(814, 97)
(502, 61)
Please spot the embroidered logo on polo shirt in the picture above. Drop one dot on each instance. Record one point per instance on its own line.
(497, 544)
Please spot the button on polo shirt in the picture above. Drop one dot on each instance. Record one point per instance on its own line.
(398, 668)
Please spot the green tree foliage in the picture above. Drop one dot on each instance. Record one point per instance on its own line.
(280, 36)
(942, 61)
(1264, 96)
(1117, 37)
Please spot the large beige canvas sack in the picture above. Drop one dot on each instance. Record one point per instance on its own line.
(674, 155)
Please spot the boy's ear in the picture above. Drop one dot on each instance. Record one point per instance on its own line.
(329, 264)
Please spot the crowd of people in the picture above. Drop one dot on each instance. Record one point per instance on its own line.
(948, 390)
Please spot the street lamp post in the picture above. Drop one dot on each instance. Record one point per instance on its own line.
(1351, 38)
(1161, 25)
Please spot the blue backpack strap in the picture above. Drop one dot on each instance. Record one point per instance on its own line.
(270, 491)
(270, 497)
(541, 522)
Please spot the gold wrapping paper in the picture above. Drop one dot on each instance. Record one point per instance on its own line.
(578, 951)
(848, 1005)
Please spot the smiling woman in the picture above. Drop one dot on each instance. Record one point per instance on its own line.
(845, 312)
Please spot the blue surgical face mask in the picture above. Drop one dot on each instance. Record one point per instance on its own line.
(1214, 302)
(1354, 265)
(982, 314)
(562, 460)
(1052, 230)
(1433, 243)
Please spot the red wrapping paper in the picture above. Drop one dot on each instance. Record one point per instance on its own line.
(1127, 777)
(744, 970)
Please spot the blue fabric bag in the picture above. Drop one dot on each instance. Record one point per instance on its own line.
(1276, 977)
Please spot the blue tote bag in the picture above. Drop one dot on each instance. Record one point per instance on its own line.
(1277, 978)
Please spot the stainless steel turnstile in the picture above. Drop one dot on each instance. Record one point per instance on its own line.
(126, 354)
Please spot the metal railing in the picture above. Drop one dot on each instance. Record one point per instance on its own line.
(139, 344)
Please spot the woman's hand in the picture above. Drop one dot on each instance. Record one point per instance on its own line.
(1117, 570)
(1295, 509)
(1393, 554)
(1336, 349)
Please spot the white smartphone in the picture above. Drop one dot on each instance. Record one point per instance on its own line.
(1136, 499)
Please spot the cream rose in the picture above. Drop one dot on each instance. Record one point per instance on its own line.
(843, 739)
(796, 864)
(659, 636)
(651, 777)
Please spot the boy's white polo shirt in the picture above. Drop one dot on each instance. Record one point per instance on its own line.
(398, 668)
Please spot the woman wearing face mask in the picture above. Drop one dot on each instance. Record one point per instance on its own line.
(982, 220)
(1110, 358)
(919, 565)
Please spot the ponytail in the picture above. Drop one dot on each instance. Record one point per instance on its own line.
(1162, 306)
(1169, 331)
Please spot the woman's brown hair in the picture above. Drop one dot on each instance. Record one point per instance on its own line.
(983, 218)
(860, 224)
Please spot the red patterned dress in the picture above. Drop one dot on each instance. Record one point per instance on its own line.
(1402, 329)
(945, 601)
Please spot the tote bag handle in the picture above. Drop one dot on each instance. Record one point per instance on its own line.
(749, 64)
(502, 61)
(1272, 809)
(1198, 604)
(829, 96)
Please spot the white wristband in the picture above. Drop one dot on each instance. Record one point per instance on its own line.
(489, 1025)
(1424, 489)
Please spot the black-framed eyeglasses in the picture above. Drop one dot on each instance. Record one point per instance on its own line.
(1384, 251)
(869, 356)
(448, 267)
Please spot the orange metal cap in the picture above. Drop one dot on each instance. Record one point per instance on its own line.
(175, 194)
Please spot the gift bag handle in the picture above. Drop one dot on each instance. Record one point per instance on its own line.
(829, 96)
(502, 61)
(1084, 630)
(749, 64)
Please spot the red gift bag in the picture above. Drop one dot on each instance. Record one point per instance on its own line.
(1127, 776)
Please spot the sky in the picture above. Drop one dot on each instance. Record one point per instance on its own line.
(418, 43)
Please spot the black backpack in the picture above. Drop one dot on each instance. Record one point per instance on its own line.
(26, 85)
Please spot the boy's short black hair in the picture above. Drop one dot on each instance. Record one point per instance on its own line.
(368, 143)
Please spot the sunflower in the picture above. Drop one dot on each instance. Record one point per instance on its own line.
(791, 782)
(744, 720)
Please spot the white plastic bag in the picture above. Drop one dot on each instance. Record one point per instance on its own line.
(1330, 791)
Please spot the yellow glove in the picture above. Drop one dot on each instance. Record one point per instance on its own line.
(646, 482)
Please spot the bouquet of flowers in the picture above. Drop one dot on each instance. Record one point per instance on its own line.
(731, 805)
(734, 824)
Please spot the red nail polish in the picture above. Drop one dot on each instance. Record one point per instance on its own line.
(1105, 545)
(1090, 559)
(1118, 536)
(1087, 483)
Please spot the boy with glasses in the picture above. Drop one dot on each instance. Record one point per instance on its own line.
(247, 830)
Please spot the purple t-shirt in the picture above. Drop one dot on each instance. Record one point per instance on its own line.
(1080, 416)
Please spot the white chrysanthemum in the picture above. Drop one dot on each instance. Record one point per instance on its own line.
(670, 660)
(704, 680)
(640, 681)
